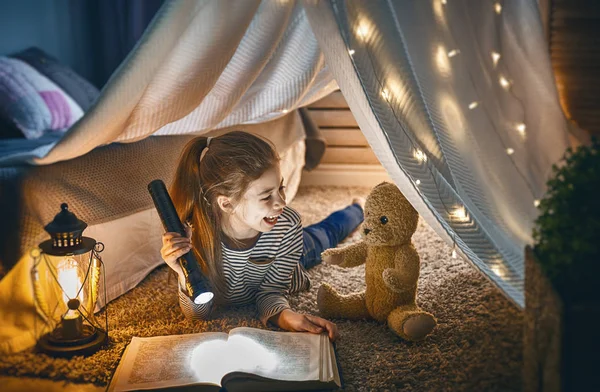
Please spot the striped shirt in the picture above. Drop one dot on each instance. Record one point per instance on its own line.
(264, 274)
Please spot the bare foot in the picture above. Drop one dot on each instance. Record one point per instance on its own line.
(360, 201)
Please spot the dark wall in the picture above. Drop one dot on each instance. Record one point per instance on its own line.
(91, 36)
(59, 27)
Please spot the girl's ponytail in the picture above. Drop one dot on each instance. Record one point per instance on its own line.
(192, 205)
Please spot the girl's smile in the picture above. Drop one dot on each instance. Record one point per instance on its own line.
(259, 208)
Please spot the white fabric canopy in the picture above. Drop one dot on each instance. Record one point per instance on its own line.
(458, 101)
(203, 65)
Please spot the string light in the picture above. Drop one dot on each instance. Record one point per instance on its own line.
(495, 58)
(442, 56)
(284, 111)
(498, 8)
(459, 214)
(420, 155)
(498, 270)
(363, 29)
(536, 203)
(453, 52)
(438, 11)
(442, 61)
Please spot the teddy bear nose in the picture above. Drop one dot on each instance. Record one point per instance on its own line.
(367, 231)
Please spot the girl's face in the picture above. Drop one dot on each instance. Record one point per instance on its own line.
(260, 207)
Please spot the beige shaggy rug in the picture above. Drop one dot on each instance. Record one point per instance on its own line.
(476, 346)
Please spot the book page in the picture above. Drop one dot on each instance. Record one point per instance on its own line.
(164, 361)
(290, 356)
(326, 368)
(335, 370)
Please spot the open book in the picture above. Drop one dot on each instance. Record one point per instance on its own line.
(246, 359)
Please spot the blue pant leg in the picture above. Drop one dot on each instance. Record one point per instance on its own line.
(329, 233)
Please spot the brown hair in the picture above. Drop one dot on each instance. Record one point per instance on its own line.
(230, 164)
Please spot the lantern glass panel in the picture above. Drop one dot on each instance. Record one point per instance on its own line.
(60, 279)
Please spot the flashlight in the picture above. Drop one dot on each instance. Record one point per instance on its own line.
(196, 283)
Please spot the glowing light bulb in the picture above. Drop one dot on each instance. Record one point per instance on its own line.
(498, 8)
(459, 214)
(510, 151)
(68, 278)
(521, 129)
(284, 111)
(444, 2)
(420, 155)
(385, 94)
(351, 51)
(418, 182)
(536, 203)
(453, 52)
(473, 105)
(495, 58)
(504, 82)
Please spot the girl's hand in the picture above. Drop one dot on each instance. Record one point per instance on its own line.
(175, 246)
(297, 322)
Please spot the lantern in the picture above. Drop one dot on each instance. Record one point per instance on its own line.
(66, 277)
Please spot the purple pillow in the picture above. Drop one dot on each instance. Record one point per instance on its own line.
(82, 91)
(32, 102)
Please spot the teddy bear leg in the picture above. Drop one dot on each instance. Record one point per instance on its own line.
(411, 323)
(334, 305)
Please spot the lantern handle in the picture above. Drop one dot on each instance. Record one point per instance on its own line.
(99, 247)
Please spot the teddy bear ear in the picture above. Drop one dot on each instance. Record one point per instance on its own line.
(382, 184)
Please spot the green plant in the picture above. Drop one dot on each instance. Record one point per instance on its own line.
(567, 230)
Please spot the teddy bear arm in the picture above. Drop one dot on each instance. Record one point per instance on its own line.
(398, 281)
(348, 256)
(354, 255)
(405, 274)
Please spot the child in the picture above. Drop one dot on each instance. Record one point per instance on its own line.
(249, 244)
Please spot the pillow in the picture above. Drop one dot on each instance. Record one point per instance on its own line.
(82, 91)
(32, 102)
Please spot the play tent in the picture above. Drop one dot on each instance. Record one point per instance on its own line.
(456, 98)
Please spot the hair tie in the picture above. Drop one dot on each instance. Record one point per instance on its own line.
(203, 153)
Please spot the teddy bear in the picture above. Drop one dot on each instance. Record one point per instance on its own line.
(392, 267)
